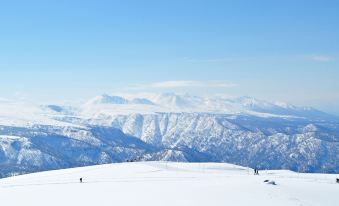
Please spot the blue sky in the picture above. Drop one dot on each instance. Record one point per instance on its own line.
(274, 50)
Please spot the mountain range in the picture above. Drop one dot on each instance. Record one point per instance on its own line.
(169, 127)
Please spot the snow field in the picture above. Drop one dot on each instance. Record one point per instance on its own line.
(166, 183)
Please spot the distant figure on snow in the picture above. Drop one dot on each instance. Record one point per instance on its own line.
(256, 172)
(337, 180)
(80, 179)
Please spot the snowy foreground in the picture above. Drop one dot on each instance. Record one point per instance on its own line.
(161, 183)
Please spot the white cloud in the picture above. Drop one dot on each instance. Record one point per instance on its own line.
(174, 84)
(184, 84)
(208, 60)
(321, 58)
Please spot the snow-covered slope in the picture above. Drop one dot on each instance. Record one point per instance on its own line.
(106, 129)
(163, 183)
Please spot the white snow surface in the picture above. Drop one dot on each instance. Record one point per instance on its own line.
(166, 183)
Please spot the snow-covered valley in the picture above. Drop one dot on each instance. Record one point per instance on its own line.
(168, 183)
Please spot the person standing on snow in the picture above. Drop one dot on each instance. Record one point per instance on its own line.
(256, 172)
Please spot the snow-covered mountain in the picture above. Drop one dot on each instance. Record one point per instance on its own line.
(170, 102)
(113, 128)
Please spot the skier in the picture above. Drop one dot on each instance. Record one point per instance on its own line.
(337, 180)
(80, 179)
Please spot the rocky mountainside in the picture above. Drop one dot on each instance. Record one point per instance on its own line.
(245, 131)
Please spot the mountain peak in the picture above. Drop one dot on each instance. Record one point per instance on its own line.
(108, 99)
(113, 99)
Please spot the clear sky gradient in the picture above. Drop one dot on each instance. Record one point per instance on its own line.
(275, 50)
